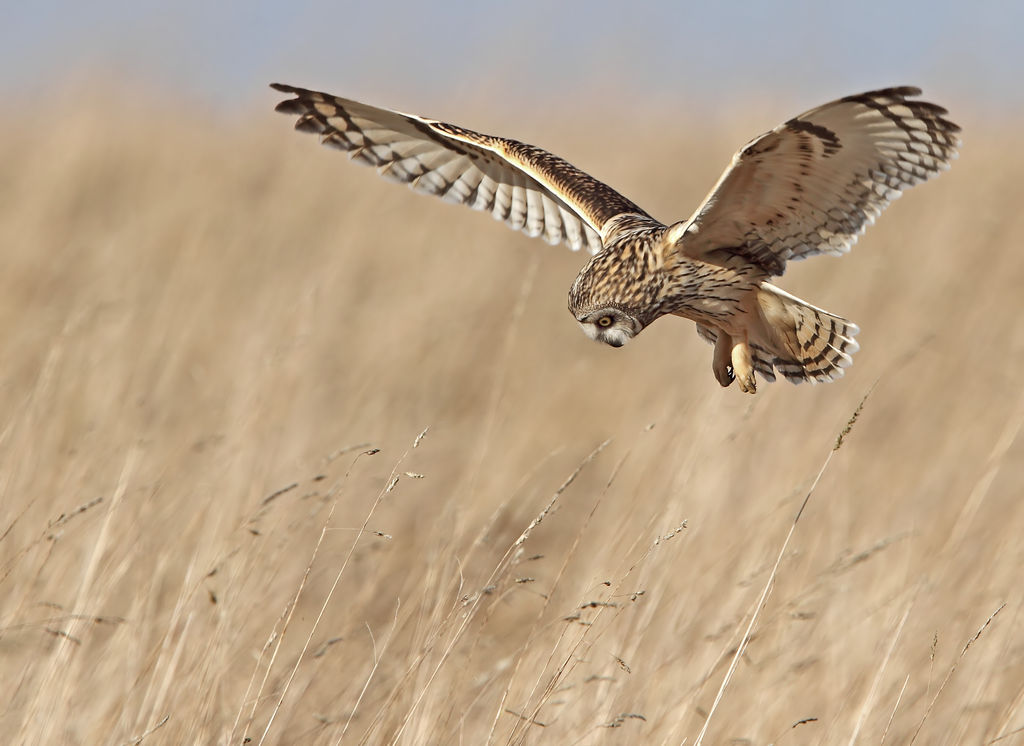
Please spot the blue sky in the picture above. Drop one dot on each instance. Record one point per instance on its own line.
(408, 54)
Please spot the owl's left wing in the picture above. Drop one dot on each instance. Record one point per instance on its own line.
(526, 187)
(813, 184)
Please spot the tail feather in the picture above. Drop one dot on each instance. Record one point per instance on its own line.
(800, 341)
(806, 343)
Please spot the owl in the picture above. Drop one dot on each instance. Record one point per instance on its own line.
(809, 186)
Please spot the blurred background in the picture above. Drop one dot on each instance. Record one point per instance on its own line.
(220, 342)
(679, 55)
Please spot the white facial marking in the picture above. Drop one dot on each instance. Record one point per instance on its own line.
(590, 330)
(616, 336)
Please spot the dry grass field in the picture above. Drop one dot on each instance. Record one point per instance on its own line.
(221, 344)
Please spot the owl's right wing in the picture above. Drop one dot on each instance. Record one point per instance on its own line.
(526, 187)
(814, 183)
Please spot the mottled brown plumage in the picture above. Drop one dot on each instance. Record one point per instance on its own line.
(809, 186)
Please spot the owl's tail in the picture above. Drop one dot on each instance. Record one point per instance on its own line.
(800, 341)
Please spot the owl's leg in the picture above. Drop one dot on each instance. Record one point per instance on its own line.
(721, 362)
(743, 365)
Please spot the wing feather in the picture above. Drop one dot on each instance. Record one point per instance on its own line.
(526, 187)
(814, 183)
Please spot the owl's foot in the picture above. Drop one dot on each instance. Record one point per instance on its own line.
(721, 362)
(743, 367)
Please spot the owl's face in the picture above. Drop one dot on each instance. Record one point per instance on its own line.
(609, 325)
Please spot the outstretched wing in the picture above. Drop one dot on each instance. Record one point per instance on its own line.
(814, 183)
(528, 188)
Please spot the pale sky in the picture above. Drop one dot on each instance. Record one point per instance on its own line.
(407, 54)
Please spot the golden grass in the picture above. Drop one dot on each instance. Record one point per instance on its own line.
(209, 328)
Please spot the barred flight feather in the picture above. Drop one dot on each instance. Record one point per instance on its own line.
(528, 188)
(814, 183)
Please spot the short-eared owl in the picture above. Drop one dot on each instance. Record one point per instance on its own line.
(809, 186)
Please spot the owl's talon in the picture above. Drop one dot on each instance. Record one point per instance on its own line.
(743, 367)
(721, 364)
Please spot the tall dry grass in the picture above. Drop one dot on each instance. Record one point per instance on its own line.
(220, 343)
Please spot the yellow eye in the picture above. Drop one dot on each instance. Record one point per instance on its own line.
(605, 321)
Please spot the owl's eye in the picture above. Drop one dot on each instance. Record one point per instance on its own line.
(605, 321)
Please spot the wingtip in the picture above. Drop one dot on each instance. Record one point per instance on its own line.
(290, 105)
(902, 90)
(897, 91)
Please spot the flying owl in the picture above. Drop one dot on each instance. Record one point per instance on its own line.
(809, 186)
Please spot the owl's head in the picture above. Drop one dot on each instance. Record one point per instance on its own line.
(612, 326)
(608, 297)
